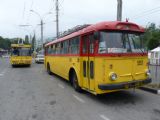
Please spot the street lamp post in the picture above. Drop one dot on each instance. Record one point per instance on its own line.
(41, 23)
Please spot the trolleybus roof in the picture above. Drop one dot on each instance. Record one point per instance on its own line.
(113, 26)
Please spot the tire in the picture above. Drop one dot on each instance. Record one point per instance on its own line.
(75, 83)
(49, 70)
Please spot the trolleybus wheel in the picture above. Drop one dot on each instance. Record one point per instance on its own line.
(48, 69)
(75, 83)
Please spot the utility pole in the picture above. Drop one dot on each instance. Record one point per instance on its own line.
(41, 23)
(42, 32)
(119, 10)
(57, 19)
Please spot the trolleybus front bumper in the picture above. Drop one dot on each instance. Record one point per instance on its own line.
(125, 85)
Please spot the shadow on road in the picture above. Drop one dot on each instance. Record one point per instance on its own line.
(119, 98)
(115, 98)
(21, 66)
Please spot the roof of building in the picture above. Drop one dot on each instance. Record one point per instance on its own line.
(156, 49)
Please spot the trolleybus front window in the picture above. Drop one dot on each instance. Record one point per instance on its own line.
(117, 42)
(25, 52)
(21, 52)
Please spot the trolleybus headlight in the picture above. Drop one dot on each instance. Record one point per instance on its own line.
(113, 76)
(148, 73)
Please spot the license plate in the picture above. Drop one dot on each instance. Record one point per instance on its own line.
(132, 85)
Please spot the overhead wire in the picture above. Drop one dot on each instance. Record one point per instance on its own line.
(53, 6)
(145, 13)
(24, 10)
(60, 4)
(29, 11)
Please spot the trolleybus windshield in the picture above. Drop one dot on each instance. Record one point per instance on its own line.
(21, 52)
(120, 42)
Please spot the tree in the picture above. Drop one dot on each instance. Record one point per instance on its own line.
(151, 38)
(153, 43)
(5, 43)
(33, 42)
(26, 41)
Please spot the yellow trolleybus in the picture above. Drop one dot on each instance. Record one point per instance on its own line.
(20, 54)
(100, 58)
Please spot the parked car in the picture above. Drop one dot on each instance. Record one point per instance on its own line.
(39, 58)
(5, 56)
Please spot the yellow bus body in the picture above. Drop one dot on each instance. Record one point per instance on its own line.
(127, 69)
(20, 60)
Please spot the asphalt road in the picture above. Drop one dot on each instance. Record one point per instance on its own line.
(29, 93)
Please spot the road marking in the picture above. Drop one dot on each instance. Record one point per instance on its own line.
(104, 117)
(79, 99)
(4, 71)
(61, 86)
(1, 74)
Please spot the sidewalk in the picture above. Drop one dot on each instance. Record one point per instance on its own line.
(155, 75)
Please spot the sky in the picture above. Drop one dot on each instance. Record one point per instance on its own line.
(14, 13)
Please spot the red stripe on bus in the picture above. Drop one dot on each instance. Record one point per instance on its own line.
(101, 55)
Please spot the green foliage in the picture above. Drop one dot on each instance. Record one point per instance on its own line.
(5, 43)
(26, 41)
(153, 43)
(151, 38)
(33, 42)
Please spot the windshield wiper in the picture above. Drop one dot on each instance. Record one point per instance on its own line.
(142, 52)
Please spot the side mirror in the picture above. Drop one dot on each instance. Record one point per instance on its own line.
(96, 35)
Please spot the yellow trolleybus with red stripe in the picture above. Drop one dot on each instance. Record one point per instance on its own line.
(100, 58)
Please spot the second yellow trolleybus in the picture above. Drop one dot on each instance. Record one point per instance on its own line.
(20, 55)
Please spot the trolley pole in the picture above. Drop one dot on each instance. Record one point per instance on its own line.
(57, 19)
(119, 10)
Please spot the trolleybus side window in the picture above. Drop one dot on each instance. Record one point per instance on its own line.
(91, 44)
(65, 47)
(74, 45)
(49, 50)
(58, 50)
(53, 49)
(61, 48)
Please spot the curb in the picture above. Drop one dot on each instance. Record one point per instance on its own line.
(150, 90)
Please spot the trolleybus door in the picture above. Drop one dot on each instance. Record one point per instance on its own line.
(88, 62)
